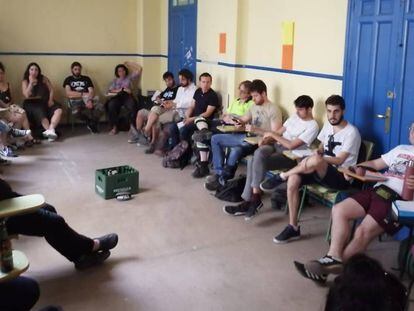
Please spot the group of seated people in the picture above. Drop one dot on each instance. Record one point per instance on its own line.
(187, 113)
(253, 114)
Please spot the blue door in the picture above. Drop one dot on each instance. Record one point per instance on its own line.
(377, 70)
(182, 35)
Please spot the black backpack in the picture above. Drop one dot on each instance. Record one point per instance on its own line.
(178, 157)
(232, 190)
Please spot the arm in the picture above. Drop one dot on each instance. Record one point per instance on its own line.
(338, 160)
(49, 86)
(27, 88)
(189, 112)
(289, 144)
(209, 112)
(275, 125)
(72, 94)
(377, 164)
(136, 68)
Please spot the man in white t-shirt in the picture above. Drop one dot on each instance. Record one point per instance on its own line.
(298, 132)
(340, 143)
(368, 205)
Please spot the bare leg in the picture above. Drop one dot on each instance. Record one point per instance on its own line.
(309, 165)
(140, 120)
(57, 115)
(342, 213)
(152, 120)
(293, 186)
(45, 123)
(368, 230)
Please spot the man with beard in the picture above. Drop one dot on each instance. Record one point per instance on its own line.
(339, 147)
(82, 100)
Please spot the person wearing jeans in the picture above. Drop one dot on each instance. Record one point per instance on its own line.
(261, 117)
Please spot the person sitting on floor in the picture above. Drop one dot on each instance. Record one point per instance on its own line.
(84, 252)
(14, 114)
(41, 109)
(298, 132)
(262, 117)
(339, 147)
(120, 92)
(82, 100)
(160, 101)
(202, 137)
(368, 204)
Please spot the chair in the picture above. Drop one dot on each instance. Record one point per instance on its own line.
(328, 196)
(12, 207)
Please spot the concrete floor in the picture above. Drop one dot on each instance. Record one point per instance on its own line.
(177, 249)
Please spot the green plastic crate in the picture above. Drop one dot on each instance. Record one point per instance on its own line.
(109, 181)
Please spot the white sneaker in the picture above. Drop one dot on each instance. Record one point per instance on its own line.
(50, 134)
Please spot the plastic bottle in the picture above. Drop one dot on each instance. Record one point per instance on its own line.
(6, 251)
(408, 194)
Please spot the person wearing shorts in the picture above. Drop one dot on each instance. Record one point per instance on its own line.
(339, 147)
(368, 205)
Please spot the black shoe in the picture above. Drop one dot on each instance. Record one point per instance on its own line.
(254, 207)
(108, 241)
(92, 126)
(213, 185)
(288, 234)
(201, 170)
(237, 210)
(150, 149)
(318, 278)
(270, 184)
(92, 259)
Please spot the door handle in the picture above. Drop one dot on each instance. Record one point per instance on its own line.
(387, 117)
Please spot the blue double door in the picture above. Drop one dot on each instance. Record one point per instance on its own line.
(182, 35)
(379, 70)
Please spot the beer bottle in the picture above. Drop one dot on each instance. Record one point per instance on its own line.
(6, 259)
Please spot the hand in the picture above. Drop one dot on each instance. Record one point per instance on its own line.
(228, 120)
(32, 80)
(50, 102)
(188, 121)
(269, 135)
(249, 128)
(410, 182)
(127, 90)
(266, 141)
(89, 104)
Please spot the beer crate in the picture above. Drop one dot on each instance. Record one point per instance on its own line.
(112, 180)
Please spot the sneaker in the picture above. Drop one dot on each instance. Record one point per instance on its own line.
(19, 133)
(270, 184)
(201, 170)
(212, 178)
(254, 207)
(4, 162)
(92, 259)
(133, 139)
(288, 234)
(50, 134)
(142, 140)
(92, 126)
(328, 265)
(151, 149)
(316, 277)
(7, 152)
(108, 241)
(213, 185)
(237, 210)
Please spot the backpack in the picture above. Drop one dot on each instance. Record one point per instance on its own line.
(178, 157)
(232, 190)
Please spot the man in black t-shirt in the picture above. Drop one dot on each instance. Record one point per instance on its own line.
(202, 110)
(82, 100)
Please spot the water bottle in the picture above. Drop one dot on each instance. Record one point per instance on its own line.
(408, 194)
(6, 258)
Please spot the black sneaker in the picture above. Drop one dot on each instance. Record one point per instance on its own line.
(150, 149)
(108, 241)
(213, 185)
(201, 170)
(254, 207)
(237, 210)
(270, 184)
(92, 259)
(92, 127)
(316, 277)
(288, 234)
